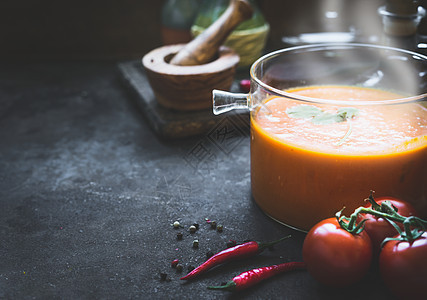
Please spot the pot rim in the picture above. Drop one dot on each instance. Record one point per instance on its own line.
(333, 46)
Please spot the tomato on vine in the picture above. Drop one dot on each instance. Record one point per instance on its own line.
(403, 266)
(338, 251)
(379, 228)
(334, 256)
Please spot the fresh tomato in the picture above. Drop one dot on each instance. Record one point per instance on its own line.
(378, 228)
(403, 267)
(334, 256)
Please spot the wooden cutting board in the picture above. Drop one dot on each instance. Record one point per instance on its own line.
(173, 124)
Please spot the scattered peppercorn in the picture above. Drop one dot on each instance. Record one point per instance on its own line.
(196, 244)
(176, 224)
(174, 263)
(231, 243)
(163, 276)
(213, 224)
(209, 254)
(179, 268)
(220, 228)
(179, 236)
(190, 268)
(193, 229)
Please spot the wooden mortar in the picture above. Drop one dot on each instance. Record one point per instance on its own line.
(183, 76)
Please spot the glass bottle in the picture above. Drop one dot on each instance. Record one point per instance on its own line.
(329, 21)
(248, 39)
(177, 17)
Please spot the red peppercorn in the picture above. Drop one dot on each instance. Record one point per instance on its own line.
(174, 263)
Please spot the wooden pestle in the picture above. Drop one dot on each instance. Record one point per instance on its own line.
(204, 47)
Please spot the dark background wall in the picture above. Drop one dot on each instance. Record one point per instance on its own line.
(115, 29)
(78, 28)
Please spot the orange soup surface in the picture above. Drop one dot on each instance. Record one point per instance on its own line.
(308, 160)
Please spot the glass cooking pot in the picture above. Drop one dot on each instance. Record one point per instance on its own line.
(330, 123)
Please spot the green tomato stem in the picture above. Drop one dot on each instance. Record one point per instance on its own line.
(262, 246)
(413, 226)
(374, 203)
(393, 216)
(229, 286)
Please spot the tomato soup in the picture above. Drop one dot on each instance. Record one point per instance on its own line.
(308, 161)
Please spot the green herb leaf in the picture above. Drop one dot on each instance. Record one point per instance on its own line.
(325, 118)
(320, 117)
(303, 111)
(347, 112)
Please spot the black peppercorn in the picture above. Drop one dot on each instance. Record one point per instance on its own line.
(231, 243)
(190, 268)
(192, 229)
(179, 268)
(163, 276)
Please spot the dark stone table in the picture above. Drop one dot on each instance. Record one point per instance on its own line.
(89, 193)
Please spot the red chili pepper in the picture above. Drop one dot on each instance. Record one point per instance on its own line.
(237, 252)
(252, 277)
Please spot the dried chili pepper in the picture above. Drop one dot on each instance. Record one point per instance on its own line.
(252, 277)
(237, 252)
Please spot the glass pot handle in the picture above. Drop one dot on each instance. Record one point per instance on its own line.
(226, 101)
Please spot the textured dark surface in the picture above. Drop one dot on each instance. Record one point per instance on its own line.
(88, 194)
